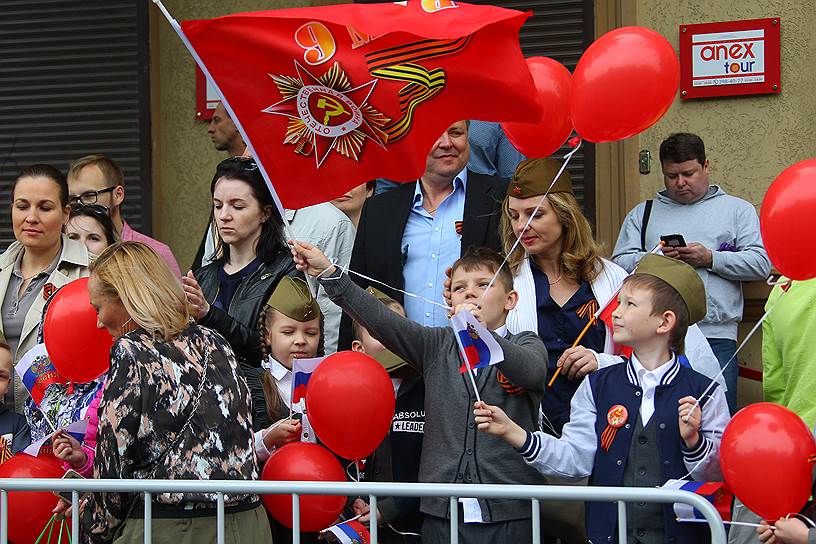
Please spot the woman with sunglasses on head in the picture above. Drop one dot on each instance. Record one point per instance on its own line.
(41, 260)
(251, 257)
(91, 225)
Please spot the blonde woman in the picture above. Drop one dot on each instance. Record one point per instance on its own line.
(174, 407)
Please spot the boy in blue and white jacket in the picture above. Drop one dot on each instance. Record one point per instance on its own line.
(637, 423)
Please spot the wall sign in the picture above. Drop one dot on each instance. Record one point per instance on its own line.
(730, 58)
(206, 97)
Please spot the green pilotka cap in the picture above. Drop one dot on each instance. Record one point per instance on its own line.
(534, 176)
(682, 277)
(389, 360)
(293, 299)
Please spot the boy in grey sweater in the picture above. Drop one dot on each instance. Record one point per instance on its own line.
(452, 452)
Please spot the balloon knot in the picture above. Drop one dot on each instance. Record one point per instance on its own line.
(574, 141)
(70, 390)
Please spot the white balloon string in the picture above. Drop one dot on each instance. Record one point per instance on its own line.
(739, 348)
(567, 159)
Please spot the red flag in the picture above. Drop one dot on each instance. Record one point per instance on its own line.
(330, 97)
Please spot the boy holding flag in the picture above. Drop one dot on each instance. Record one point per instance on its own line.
(451, 452)
(636, 423)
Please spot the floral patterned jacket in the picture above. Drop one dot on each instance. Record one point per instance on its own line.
(149, 396)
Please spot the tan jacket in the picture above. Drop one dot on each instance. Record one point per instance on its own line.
(73, 264)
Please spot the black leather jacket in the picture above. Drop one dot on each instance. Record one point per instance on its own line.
(239, 324)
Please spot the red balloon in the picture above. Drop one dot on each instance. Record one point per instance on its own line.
(30, 511)
(786, 214)
(542, 139)
(302, 461)
(79, 350)
(350, 402)
(623, 84)
(764, 459)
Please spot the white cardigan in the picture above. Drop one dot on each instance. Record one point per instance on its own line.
(524, 317)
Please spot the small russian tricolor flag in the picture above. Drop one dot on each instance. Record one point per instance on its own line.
(478, 347)
(37, 372)
(302, 370)
(715, 492)
(350, 532)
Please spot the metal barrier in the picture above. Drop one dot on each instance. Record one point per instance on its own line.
(621, 495)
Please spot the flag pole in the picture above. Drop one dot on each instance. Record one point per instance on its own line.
(227, 106)
(470, 372)
(580, 336)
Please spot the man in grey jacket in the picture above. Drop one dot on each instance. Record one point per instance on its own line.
(720, 239)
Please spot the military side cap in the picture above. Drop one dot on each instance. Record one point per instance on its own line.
(389, 360)
(293, 299)
(534, 176)
(379, 295)
(681, 277)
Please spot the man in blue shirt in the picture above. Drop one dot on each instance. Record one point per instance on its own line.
(409, 236)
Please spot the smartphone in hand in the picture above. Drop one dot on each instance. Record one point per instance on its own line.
(673, 240)
(66, 495)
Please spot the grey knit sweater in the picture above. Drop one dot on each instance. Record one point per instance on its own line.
(453, 450)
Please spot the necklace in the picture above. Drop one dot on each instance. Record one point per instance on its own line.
(557, 279)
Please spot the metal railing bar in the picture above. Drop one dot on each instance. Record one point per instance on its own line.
(233, 487)
(75, 516)
(295, 518)
(3, 517)
(372, 505)
(536, 516)
(454, 520)
(148, 518)
(220, 519)
(621, 521)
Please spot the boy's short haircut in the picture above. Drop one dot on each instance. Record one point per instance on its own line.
(664, 299)
(483, 257)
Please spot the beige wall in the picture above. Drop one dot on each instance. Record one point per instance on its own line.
(183, 156)
(749, 140)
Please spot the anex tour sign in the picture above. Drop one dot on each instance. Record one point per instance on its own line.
(730, 58)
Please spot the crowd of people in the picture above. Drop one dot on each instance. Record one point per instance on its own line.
(200, 380)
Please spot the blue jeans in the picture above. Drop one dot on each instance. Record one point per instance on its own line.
(724, 349)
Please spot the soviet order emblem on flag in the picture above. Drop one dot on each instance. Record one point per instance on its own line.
(334, 96)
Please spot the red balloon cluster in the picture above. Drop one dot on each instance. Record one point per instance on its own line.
(304, 462)
(30, 511)
(623, 84)
(786, 215)
(79, 350)
(769, 439)
(350, 403)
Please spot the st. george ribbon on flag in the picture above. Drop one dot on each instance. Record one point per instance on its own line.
(330, 97)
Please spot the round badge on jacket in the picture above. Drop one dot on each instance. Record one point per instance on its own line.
(617, 416)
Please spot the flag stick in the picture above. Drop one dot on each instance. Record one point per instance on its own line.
(580, 336)
(470, 372)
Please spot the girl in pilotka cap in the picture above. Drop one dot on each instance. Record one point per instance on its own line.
(291, 328)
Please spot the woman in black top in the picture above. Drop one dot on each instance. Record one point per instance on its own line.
(251, 257)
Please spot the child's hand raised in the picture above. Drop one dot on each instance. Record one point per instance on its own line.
(282, 432)
(475, 309)
(691, 418)
(309, 259)
(493, 420)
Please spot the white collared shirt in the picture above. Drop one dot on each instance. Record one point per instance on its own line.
(649, 380)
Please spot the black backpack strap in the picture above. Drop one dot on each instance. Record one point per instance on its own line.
(645, 223)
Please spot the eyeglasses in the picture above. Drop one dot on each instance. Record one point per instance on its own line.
(89, 197)
(94, 209)
(247, 164)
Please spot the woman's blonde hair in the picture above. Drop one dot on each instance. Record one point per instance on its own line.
(580, 253)
(134, 274)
